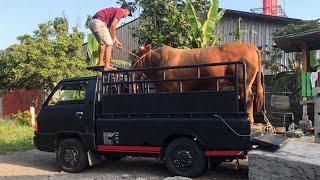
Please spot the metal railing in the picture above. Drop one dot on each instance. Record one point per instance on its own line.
(133, 82)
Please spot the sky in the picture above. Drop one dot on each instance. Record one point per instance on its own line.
(20, 17)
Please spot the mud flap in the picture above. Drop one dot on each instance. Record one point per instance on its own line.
(93, 158)
(269, 142)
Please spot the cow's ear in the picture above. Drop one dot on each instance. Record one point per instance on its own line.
(141, 48)
(148, 48)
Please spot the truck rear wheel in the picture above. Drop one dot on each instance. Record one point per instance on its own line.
(71, 156)
(185, 157)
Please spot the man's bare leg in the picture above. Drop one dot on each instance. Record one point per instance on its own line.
(102, 52)
(108, 58)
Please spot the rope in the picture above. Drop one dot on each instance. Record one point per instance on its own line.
(135, 55)
(241, 135)
(268, 128)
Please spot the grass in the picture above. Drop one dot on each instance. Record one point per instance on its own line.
(15, 137)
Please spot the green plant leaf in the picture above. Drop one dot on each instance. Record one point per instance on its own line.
(92, 50)
(194, 22)
(213, 19)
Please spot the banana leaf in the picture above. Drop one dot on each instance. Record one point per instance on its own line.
(194, 23)
(203, 35)
(93, 50)
(213, 19)
(208, 26)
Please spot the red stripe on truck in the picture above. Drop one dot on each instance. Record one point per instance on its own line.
(131, 149)
(156, 150)
(223, 153)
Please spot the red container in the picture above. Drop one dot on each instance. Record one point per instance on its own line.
(270, 7)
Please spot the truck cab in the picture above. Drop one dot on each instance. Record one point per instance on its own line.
(69, 111)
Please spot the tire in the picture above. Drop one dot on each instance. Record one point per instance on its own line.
(185, 157)
(113, 156)
(71, 156)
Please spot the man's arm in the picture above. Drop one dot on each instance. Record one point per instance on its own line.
(113, 28)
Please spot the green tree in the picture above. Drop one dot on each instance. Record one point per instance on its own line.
(164, 21)
(51, 53)
(161, 22)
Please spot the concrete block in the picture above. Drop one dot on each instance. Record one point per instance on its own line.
(299, 159)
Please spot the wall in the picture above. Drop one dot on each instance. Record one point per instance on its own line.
(129, 43)
(20, 101)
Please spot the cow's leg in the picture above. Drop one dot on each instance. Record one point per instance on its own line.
(250, 106)
(249, 94)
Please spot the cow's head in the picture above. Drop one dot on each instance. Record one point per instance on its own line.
(140, 56)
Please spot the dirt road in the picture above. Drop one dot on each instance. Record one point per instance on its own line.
(40, 165)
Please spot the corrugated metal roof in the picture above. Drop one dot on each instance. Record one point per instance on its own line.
(295, 42)
(262, 17)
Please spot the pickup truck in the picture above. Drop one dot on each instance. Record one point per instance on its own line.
(117, 114)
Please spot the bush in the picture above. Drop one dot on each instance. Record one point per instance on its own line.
(23, 118)
(297, 28)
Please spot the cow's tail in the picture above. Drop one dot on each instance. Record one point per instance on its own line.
(259, 92)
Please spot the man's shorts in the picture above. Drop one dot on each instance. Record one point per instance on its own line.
(101, 32)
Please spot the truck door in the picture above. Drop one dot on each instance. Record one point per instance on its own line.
(68, 108)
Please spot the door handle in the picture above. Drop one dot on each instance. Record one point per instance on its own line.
(79, 113)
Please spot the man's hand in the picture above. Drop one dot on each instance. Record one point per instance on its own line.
(117, 44)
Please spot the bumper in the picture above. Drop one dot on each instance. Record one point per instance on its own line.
(44, 142)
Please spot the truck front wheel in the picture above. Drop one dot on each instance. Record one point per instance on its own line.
(185, 157)
(71, 156)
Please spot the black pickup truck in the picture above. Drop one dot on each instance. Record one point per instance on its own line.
(117, 114)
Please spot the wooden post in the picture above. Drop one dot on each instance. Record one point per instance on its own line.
(305, 70)
(305, 58)
(305, 124)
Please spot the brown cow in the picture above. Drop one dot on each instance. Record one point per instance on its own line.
(168, 56)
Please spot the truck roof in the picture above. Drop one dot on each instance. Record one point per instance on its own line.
(80, 78)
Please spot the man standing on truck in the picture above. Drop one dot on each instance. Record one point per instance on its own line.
(103, 25)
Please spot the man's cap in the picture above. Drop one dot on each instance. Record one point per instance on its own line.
(127, 6)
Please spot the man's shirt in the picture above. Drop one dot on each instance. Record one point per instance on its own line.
(107, 15)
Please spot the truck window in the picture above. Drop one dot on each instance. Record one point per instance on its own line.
(69, 94)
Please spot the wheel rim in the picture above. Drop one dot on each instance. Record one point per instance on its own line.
(70, 157)
(183, 158)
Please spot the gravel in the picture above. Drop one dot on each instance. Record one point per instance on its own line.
(35, 164)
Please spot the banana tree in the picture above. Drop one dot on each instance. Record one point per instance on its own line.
(92, 50)
(203, 34)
